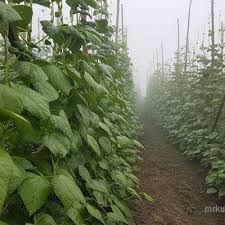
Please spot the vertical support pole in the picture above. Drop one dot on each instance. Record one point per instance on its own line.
(117, 21)
(222, 41)
(187, 39)
(162, 49)
(122, 20)
(213, 33)
(178, 49)
(157, 59)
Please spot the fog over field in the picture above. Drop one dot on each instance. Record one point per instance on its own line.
(151, 23)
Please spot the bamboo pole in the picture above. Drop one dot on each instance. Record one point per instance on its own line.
(213, 33)
(222, 41)
(122, 20)
(117, 21)
(157, 59)
(218, 114)
(162, 49)
(153, 59)
(178, 48)
(187, 39)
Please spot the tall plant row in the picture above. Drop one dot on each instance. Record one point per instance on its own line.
(189, 104)
(67, 118)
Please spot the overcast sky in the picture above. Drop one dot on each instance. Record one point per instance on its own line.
(151, 22)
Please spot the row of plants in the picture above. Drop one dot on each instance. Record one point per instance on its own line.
(189, 104)
(67, 118)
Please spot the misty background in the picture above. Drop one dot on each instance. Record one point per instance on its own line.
(153, 22)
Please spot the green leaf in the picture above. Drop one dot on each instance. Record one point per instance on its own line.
(116, 215)
(18, 175)
(106, 69)
(74, 213)
(74, 74)
(9, 99)
(123, 141)
(8, 14)
(91, 3)
(92, 83)
(212, 191)
(43, 219)
(5, 175)
(138, 144)
(34, 192)
(120, 178)
(148, 197)
(34, 102)
(95, 213)
(22, 163)
(85, 114)
(122, 206)
(61, 124)
(45, 3)
(89, 69)
(105, 144)
(58, 144)
(97, 186)
(67, 191)
(58, 80)
(21, 123)
(30, 72)
(105, 128)
(84, 173)
(47, 90)
(93, 144)
(26, 14)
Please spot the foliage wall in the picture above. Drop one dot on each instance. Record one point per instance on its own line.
(190, 106)
(67, 118)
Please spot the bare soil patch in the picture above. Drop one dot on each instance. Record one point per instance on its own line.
(178, 185)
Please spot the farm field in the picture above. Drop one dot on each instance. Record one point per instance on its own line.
(86, 139)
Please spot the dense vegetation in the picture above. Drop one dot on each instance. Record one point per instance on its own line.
(68, 126)
(187, 99)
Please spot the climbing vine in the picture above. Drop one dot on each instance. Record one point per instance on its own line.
(67, 118)
(190, 105)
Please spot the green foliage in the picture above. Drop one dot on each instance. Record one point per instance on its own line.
(187, 105)
(67, 122)
(34, 197)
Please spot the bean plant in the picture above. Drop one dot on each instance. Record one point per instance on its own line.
(67, 118)
(189, 105)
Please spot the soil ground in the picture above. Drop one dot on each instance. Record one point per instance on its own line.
(178, 185)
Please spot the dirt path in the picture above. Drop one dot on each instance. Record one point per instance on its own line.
(178, 185)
